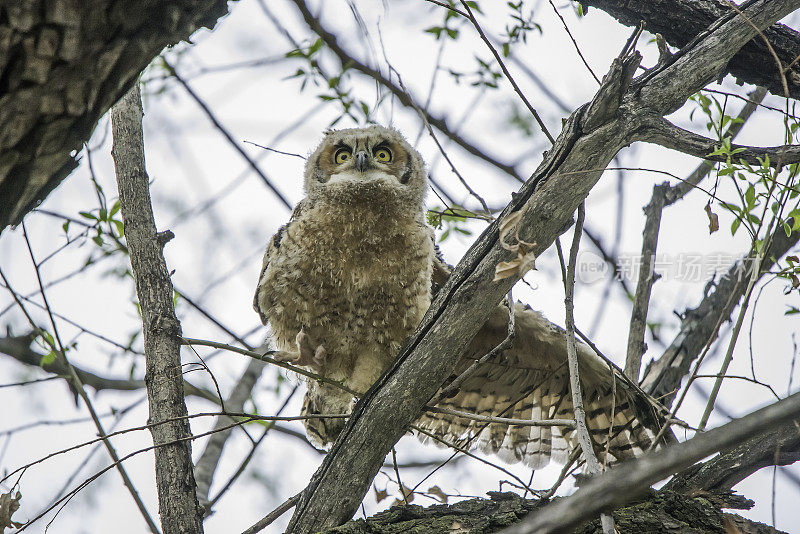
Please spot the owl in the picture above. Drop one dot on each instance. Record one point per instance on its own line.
(348, 278)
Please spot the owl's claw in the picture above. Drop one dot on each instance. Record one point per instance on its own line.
(306, 355)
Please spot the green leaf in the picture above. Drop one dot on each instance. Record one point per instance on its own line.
(119, 226)
(98, 239)
(114, 209)
(87, 215)
(314, 48)
(436, 31)
(787, 229)
(48, 358)
(750, 196)
(735, 225)
(475, 6)
(65, 226)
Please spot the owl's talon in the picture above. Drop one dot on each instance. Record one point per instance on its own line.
(306, 355)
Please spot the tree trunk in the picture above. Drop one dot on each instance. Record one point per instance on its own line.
(177, 499)
(62, 65)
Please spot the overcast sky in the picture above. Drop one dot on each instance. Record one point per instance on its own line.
(222, 216)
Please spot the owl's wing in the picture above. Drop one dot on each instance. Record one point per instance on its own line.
(273, 250)
(531, 381)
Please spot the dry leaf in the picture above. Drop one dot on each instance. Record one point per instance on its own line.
(437, 492)
(507, 224)
(380, 494)
(408, 495)
(8, 505)
(713, 219)
(525, 260)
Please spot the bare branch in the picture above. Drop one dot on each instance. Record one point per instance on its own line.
(662, 132)
(209, 459)
(210, 115)
(647, 277)
(178, 505)
(699, 326)
(19, 348)
(680, 21)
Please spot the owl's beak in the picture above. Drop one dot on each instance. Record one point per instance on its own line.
(361, 160)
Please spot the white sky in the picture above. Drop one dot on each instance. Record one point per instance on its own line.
(190, 162)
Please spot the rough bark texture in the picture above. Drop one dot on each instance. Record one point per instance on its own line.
(679, 21)
(177, 499)
(659, 513)
(63, 63)
(591, 138)
(777, 447)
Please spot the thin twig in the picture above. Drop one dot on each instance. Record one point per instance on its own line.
(268, 519)
(574, 42)
(77, 386)
(592, 465)
(508, 74)
(210, 115)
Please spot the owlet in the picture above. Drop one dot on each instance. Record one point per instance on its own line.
(349, 277)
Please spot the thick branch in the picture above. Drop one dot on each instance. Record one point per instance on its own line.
(209, 459)
(662, 132)
(19, 348)
(622, 484)
(61, 69)
(679, 21)
(178, 506)
(590, 139)
(681, 512)
(780, 446)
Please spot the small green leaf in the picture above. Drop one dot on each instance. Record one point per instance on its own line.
(48, 358)
(750, 195)
(314, 48)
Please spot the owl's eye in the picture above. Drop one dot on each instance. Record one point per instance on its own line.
(383, 154)
(342, 155)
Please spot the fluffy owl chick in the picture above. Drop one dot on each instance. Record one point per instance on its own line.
(347, 280)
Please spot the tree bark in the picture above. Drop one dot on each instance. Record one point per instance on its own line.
(62, 65)
(679, 21)
(663, 512)
(177, 498)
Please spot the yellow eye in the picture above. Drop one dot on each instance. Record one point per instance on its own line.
(342, 155)
(383, 154)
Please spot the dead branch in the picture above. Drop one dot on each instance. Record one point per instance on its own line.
(178, 505)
